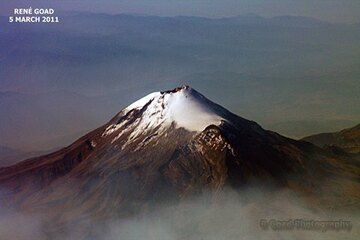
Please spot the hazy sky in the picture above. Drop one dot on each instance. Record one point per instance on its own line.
(330, 10)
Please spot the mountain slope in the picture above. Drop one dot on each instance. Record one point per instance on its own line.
(347, 139)
(168, 147)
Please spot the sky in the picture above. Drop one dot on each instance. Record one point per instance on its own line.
(329, 10)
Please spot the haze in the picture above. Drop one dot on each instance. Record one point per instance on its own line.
(292, 74)
(329, 10)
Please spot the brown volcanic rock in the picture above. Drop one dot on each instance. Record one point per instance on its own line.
(153, 152)
(199, 165)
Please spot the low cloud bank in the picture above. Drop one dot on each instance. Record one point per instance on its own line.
(224, 215)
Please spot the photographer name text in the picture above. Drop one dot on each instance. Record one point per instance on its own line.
(34, 15)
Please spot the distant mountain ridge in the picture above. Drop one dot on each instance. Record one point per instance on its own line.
(347, 139)
(9, 156)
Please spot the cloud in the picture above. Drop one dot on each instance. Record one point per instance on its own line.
(225, 214)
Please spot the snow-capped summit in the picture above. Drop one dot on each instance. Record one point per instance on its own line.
(182, 107)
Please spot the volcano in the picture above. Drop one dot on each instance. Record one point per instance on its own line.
(167, 147)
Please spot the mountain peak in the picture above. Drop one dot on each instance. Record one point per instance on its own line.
(178, 89)
(182, 107)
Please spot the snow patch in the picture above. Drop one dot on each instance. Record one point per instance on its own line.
(183, 107)
(142, 102)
